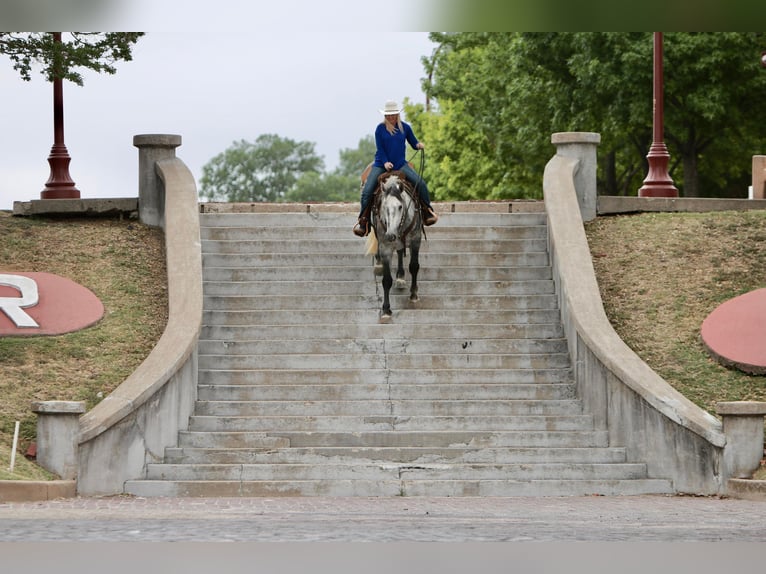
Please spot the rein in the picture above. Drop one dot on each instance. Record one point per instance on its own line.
(410, 191)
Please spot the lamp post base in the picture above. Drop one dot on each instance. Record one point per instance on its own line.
(59, 185)
(658, 182)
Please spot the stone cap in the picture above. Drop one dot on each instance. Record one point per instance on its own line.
(58, 407)
(742, 408)
(157, 140)
(575, 137)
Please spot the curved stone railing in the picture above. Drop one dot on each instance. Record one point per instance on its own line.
(132, 426)
(640, 410)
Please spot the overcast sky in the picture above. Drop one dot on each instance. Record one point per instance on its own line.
(323, 85)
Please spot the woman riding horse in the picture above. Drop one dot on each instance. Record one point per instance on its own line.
(391, 137)
(397, 227)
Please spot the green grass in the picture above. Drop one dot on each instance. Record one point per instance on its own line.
(123, 263)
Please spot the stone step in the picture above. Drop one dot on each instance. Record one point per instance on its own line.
(346, 220)
(384, 376)
(316, 318)
(363, 272)
(314, 233)
(398, 297)
(412, 331)
(433, 488)
(283, 245)
(398, 439)
(355, 361)
(388, 488)
(382, 346)
(360, 470)
(301, 392)
(331, 259)
(312, 406)
(380, 391)
(278, 425)
(359, 287)
(402, 455)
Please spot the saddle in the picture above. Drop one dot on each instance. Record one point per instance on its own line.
(368, 218)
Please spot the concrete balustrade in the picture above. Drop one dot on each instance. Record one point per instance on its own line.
(153, 148)
(132, 426)
(743, 425)
(759, 177)
(58, 433)
(640, 410)
(582, 147)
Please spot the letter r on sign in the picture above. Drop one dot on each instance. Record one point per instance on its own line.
(12, 306)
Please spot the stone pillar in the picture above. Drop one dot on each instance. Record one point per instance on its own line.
(581, 146)
(151, 194)
(58, 436)
(743, 427)
(759, 177)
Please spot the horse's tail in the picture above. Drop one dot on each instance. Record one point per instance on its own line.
(372, 243)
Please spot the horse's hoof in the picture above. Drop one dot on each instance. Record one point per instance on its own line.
(384, 319)
(400, 283)
(414, 298)
(378, 269)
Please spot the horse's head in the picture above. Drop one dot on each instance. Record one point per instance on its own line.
(392, 209)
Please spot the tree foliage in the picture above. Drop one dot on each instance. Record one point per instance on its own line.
(263, 170)
(342, 184)
(276, 169)
(501, 95)
(96, 51)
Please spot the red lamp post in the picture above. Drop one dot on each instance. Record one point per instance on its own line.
(658, 182)
(59, 184)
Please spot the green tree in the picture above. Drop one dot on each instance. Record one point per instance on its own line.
(343, 183)
(516, 89)
(97, 51)
(323, 187)
(353, 161)
(264, 170)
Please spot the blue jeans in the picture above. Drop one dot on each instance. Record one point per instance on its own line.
(412, 176)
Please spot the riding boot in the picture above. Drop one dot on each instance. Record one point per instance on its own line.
(429, 215)
(362, 227)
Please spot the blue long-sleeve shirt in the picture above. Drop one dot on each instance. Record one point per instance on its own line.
(391, 147)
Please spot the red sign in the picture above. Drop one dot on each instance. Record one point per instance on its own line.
(45, 304)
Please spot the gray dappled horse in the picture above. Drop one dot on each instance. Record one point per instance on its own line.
(398, 225)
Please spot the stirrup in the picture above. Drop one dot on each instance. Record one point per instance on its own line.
(362, 228)
(430, 216)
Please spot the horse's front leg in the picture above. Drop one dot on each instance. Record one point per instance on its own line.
(385, 312)
(400, 282)
(414, 268)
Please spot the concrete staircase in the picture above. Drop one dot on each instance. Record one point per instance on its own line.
(302, 393)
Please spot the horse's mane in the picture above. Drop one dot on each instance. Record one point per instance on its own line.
(393, 186)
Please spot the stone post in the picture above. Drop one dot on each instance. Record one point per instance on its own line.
(743, 427)
(58, 436)
(151, 194)
(759, 177)
(581, 146)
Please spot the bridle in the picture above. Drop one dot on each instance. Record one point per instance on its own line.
(399, 194)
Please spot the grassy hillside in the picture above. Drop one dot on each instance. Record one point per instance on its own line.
(123, 263)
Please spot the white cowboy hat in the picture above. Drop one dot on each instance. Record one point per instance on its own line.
(390, 108)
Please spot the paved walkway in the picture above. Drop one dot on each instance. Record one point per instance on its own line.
(589, 519)
(576, 535)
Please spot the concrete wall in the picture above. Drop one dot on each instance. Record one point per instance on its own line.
(640, 410)
(133, 425)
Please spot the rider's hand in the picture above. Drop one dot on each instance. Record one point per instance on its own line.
(388, 165)
(420, 145)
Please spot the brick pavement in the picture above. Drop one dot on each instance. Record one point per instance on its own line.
(566, 519)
